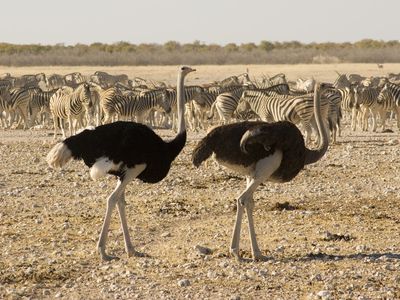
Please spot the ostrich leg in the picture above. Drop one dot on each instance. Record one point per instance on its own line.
(130, 250)
(115, 198)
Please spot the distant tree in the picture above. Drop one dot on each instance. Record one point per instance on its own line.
(172, 46)
(248, 47)
(266, 46)
(231, 47)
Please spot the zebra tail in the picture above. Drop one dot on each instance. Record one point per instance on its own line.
(210, 114)
(59, 155)
(202, 151)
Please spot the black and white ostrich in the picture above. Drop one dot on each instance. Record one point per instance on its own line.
(262, 152)
(127, 150)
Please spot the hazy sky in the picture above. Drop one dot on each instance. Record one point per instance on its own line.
(209, 21)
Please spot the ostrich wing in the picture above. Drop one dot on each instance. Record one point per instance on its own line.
(263, 135)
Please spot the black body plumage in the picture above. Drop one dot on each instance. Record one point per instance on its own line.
(130, 143)
(224, 142)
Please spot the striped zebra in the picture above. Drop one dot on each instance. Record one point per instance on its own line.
(55, 81)
(5, 106)
(366, 98)
(389, 99)
(190, 93)
(19, 100)
(132, 106)
(334, 112)
(72, 105)
(203, 102)
(106, 80)
(226, 103)
(272, 107)
(40, 103)
(341, 81)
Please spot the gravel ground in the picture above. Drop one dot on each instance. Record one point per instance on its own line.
(331, 233)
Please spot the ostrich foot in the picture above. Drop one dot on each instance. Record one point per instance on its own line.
(106, 257)
(236, 255)
(132, 252)
(259, 257)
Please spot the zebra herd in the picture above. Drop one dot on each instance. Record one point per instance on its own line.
(78, 100)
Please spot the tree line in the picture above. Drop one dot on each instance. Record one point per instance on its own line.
(172, 53)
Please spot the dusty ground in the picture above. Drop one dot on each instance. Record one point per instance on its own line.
(339, 239)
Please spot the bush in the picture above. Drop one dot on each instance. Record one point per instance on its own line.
(172, 53)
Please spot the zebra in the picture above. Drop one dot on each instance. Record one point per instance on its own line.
(271, 107)
(40, 102)
(71, 104)
(106, 80)
(55, 81)
(366, 98)
(130, 106)
(108, 100)
(348, 105)
(334, 112)
(30, 80)
(5, 106)
(226, 103)
(389, 99)
(190, 92)
(19, 101)
(341, 81)
(203, 102)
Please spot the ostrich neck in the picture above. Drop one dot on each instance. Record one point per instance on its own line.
(177, 144)
(180, 99)
(314, 155)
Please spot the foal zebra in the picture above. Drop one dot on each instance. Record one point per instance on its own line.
(71, 104)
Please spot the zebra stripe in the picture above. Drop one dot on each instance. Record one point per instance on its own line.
(130, 106)
(19, 100)
(40, 102)
(72, 105)
(190, 93)
(389, 99)
(367, 98)
(226, 103)
(271, 106)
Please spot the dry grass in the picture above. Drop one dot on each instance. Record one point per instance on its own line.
(206, 73)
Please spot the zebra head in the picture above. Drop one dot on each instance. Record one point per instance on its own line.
(87, 102)
(165, 102)
(384, 94)
(243, 105)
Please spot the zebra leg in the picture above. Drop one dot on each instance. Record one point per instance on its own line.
(62, 126)
(354, 119)
(71, 125)
(397, 112)
(55, 121)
